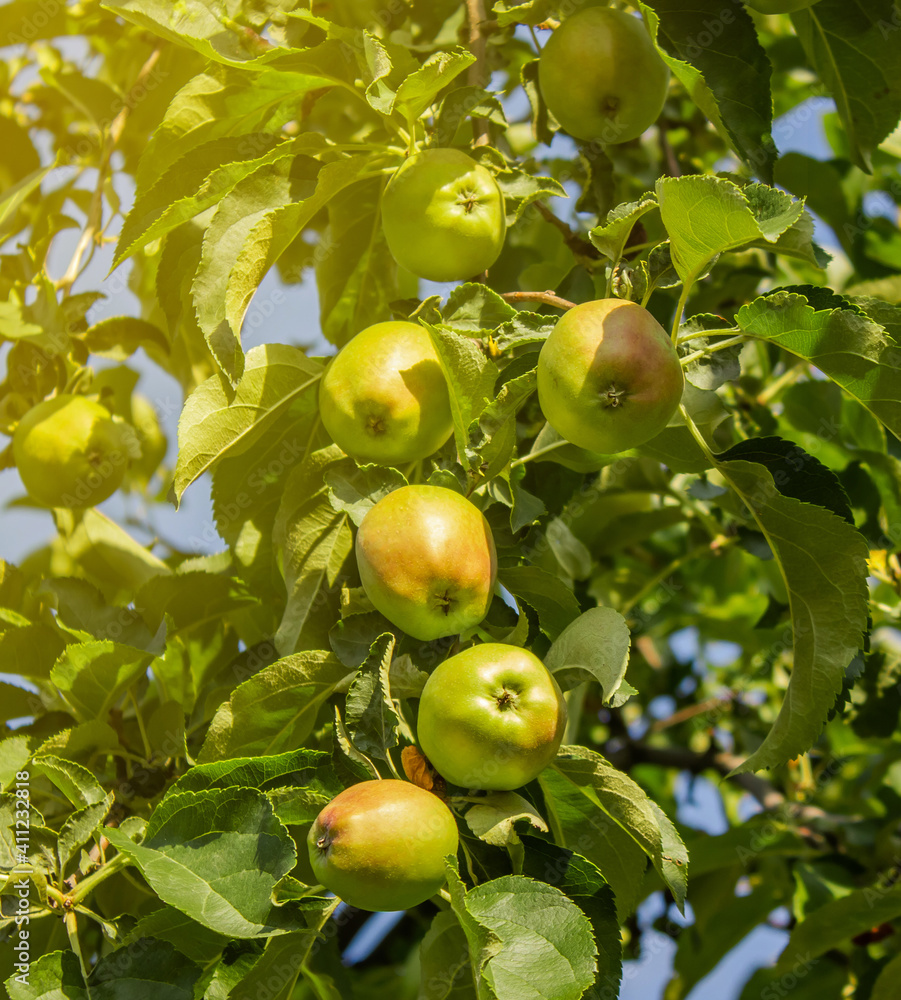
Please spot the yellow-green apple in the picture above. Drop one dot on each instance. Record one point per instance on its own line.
(443, 216)
(427, 561)
(381, 845)
(384, 398)
(601, 76)
(609, 378)
(491, 717)
(70, 452)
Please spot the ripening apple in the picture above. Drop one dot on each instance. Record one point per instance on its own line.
(70, 452)
(381, 845)
(780, 6)
(601, 76)
(491, 717)
(609, 378)
(443, 216)
(427, 561)
(384, 398)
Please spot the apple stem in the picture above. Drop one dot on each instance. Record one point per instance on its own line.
(548, 298)
(731, 342)
(680, 311)
(537, 454)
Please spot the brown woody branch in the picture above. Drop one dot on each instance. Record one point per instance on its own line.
(478, 71)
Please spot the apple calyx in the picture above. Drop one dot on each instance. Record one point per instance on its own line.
(613, 396)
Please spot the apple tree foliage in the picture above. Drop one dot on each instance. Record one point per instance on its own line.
(182, 716)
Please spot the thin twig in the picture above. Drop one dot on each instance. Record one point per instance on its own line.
(478, 71)
(576, 243)
(94, 227)
(545, 298)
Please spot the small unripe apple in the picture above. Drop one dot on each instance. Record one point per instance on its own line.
(609, 378)
(381, 845)
(601, 76)
(780, 6)
(384, 398)
(70, 452)
(427, 561)
(491, 717)
(443, 216)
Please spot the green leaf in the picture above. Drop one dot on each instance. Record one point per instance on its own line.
(79, 827)
(17, 702)
(15, 752)
(370, 714)
(419, 90)
(291, 768)
(13, 197)
(706, 216)
(107, 551)
(584, 884)
(523, 931)
(276, 970)
(191, 599)
(626, 804)
(273, 711)
(578, 822)
(214, 425)
(527, 12)
(844, 344)
(853, 49)
(216, 855)
(835, 922)
(56, 976)
(823, 561)
(492, 439)
(611, 236)
(594, 647)
(461, 104)
(554, 602)
(356, 276)
(475, 308)
(77, 783)
(194, 183)
(237, 216)
(354, 490)
(314, 542)
(886, 985)
(93, 676)
(277, 229)
(715, 53)
(493, 818)
(120, 336)
(445, 971)
(197, 25)
(81, 606)
(30, 651)
(192, 939)
(522, 188)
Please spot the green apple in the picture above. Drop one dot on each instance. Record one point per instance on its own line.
(609, 378)
(427, 561)
(381, 845)
(443, 216)
(601, 76)
(70, 452)
(779, 6)
(491, 717)
(384, 398)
